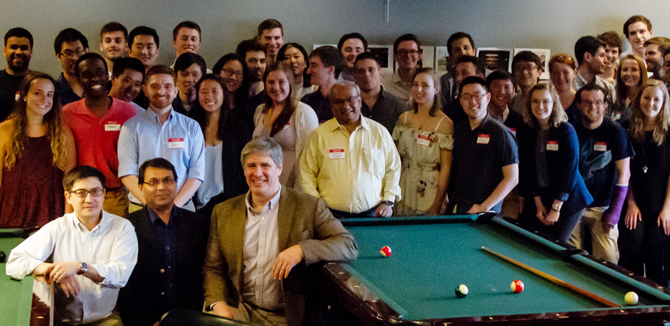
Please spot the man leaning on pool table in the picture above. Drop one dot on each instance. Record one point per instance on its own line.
(486, 159)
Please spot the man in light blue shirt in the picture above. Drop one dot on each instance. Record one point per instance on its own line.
(162, 132)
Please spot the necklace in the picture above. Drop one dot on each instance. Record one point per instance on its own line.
(644, 156)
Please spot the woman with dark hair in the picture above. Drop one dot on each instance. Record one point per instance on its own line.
(632, 73)
(234, 72)
(36, 148)
(287, 120)
(424, 137)
(225, 136)
(295, 56)
(550, 183)
(644, 231)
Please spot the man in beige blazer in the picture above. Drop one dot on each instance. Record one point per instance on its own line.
(261, 245)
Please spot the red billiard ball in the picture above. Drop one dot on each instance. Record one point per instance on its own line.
(385, 251)
(517, 286)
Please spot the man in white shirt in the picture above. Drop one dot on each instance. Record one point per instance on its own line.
(88, 254)
(637, 29)
(407, 53)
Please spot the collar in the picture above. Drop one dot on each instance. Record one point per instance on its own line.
(81, 227)
(153, 217)
(334, 125)
(154, 117)
(271, 205)
(503, 117)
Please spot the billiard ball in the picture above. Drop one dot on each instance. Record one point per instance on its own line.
(385, 251)
(461, 291)
(631, 298)
(3, 257)
(517, 286)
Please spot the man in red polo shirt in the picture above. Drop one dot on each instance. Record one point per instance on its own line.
(96, 122)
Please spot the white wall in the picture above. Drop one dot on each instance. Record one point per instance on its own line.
(553, 24)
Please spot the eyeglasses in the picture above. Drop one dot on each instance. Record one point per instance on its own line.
(83, 193)
(404, 53)
(597, 103)
(168, 181)
(73, 54)
(477, 97)
(528, 67)
(228, 73)
(351, 100)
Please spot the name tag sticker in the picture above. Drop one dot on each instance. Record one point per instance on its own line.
(175, 143)
(600, 146)
(112, 126)
(17, 96)
(513, 130)
(617, 116)
(423, 139)
(483, 139)
(336, 153)
(552, 145)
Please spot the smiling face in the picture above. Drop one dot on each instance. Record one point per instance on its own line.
(592, 106)
(93, 78)
(272, 40)
(18, 53)
(186, 80)
(188, 40)
(160, 90)
(345, 102)
(561, 76)
(113, 45)
(351, 48)
(318, 72)
(277, 86)
(461, 47)
(90, 206)
(423, 89)
(210, 95)
(463, 70)
(541, 105)
(296, 60)
(653, 57)
(144, 48)
(638, 33)
(40, 96)
(262, 175)
(127, 86)
(502, 92)
(407, 55)
(526, 73)
(651, 102)
(612, 54)
(474, 100)
(233, 74)
(630, 73)
(162, 195)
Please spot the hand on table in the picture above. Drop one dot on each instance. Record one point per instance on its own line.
(285, 261)
(476, 209)
(383, 210)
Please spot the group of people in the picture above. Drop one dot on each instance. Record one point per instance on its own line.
(321, 137)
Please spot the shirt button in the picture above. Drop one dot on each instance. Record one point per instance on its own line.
(162, 270)
(168, 248)
(169, 267)
(162, 293)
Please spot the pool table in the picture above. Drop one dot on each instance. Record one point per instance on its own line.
(431, 256)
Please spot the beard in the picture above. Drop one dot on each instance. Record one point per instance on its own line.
(22, 65)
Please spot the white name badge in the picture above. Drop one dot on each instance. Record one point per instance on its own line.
(175, 143)
(552, 145)
(17, 96)
(513, 130)
(483, 139)
(423, 139)
(112, 126)
(617, 116)
(336, 153)
(600, 146)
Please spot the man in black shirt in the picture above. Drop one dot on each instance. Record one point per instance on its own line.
(18, 50)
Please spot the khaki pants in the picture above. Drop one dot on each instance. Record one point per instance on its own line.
(116, 201)
(112, 320)
(604, 243)
(258, 316)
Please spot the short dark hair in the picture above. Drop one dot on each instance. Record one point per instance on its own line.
(143, 30)
(366, 56)
(472, 80)
(69, 35)
(19, 32)
(633, 20)
(406, 37)
(499, 75)
(593, 86)
(251, 45)
(159, 70)
(188, 24)
(458, 36)
(662, 42)
(121, 64)
(159, 163)
(478, 63)
(87, 56)
(330, 56)
(345, 37)
(114, 27)
(269, 24)
(82, 172)
(187, 59)
(587, 44)
(282, 53)
(612, 39)
(527, 56)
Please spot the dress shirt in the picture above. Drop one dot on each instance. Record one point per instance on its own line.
(178, 140)
(397, 87)
(167, 239)
(386, 110)
(260, 252)
(351, 172)
(110, 247)
(580, 81)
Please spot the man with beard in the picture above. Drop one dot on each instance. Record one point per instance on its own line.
(127, 78)
(271, 36)
(189, 67)
(161, 132)
(96, 123)
(18, 50)
(591, 57)
(70, 44)
(653, 55)
(113, 43)
(255, 60)
(604, 161)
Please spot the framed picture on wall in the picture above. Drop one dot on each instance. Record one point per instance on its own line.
(496, 58)
(442, 59)
(385, 55)
(544, 54)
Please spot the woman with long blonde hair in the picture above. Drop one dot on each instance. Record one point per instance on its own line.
(36, 149)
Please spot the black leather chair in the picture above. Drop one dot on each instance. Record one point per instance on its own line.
(183, 317)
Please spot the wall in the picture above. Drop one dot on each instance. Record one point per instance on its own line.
(493, 23)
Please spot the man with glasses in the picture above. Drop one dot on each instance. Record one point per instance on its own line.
(172, 243)
(18, 50)
(325, 64)
(486, 159)
(407, 53)
(88, 255)
(591, 59)
(70, 44)
(351, 161)
(466, 66)
(160, 131)
(604, 161)
(526, 69)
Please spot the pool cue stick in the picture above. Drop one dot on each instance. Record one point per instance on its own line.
(556, 280)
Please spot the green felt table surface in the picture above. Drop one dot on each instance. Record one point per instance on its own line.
(15, 296)
(429, 261)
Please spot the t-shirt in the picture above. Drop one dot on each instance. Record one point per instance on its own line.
(9, 86)
(599, 149)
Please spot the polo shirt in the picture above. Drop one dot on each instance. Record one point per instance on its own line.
(97, 139)
(479, 157)
(386, 110)
(65, 92)
(178, 140)
(320, 104)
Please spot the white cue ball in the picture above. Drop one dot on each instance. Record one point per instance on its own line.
(631, 298)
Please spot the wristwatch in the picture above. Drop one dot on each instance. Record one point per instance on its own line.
(388, 203)
(556, 207)
(83, 268)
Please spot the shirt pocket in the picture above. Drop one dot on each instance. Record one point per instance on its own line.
(373, 160)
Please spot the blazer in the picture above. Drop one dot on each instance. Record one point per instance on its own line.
(566, 182)
(141, 302)
(302, 219)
